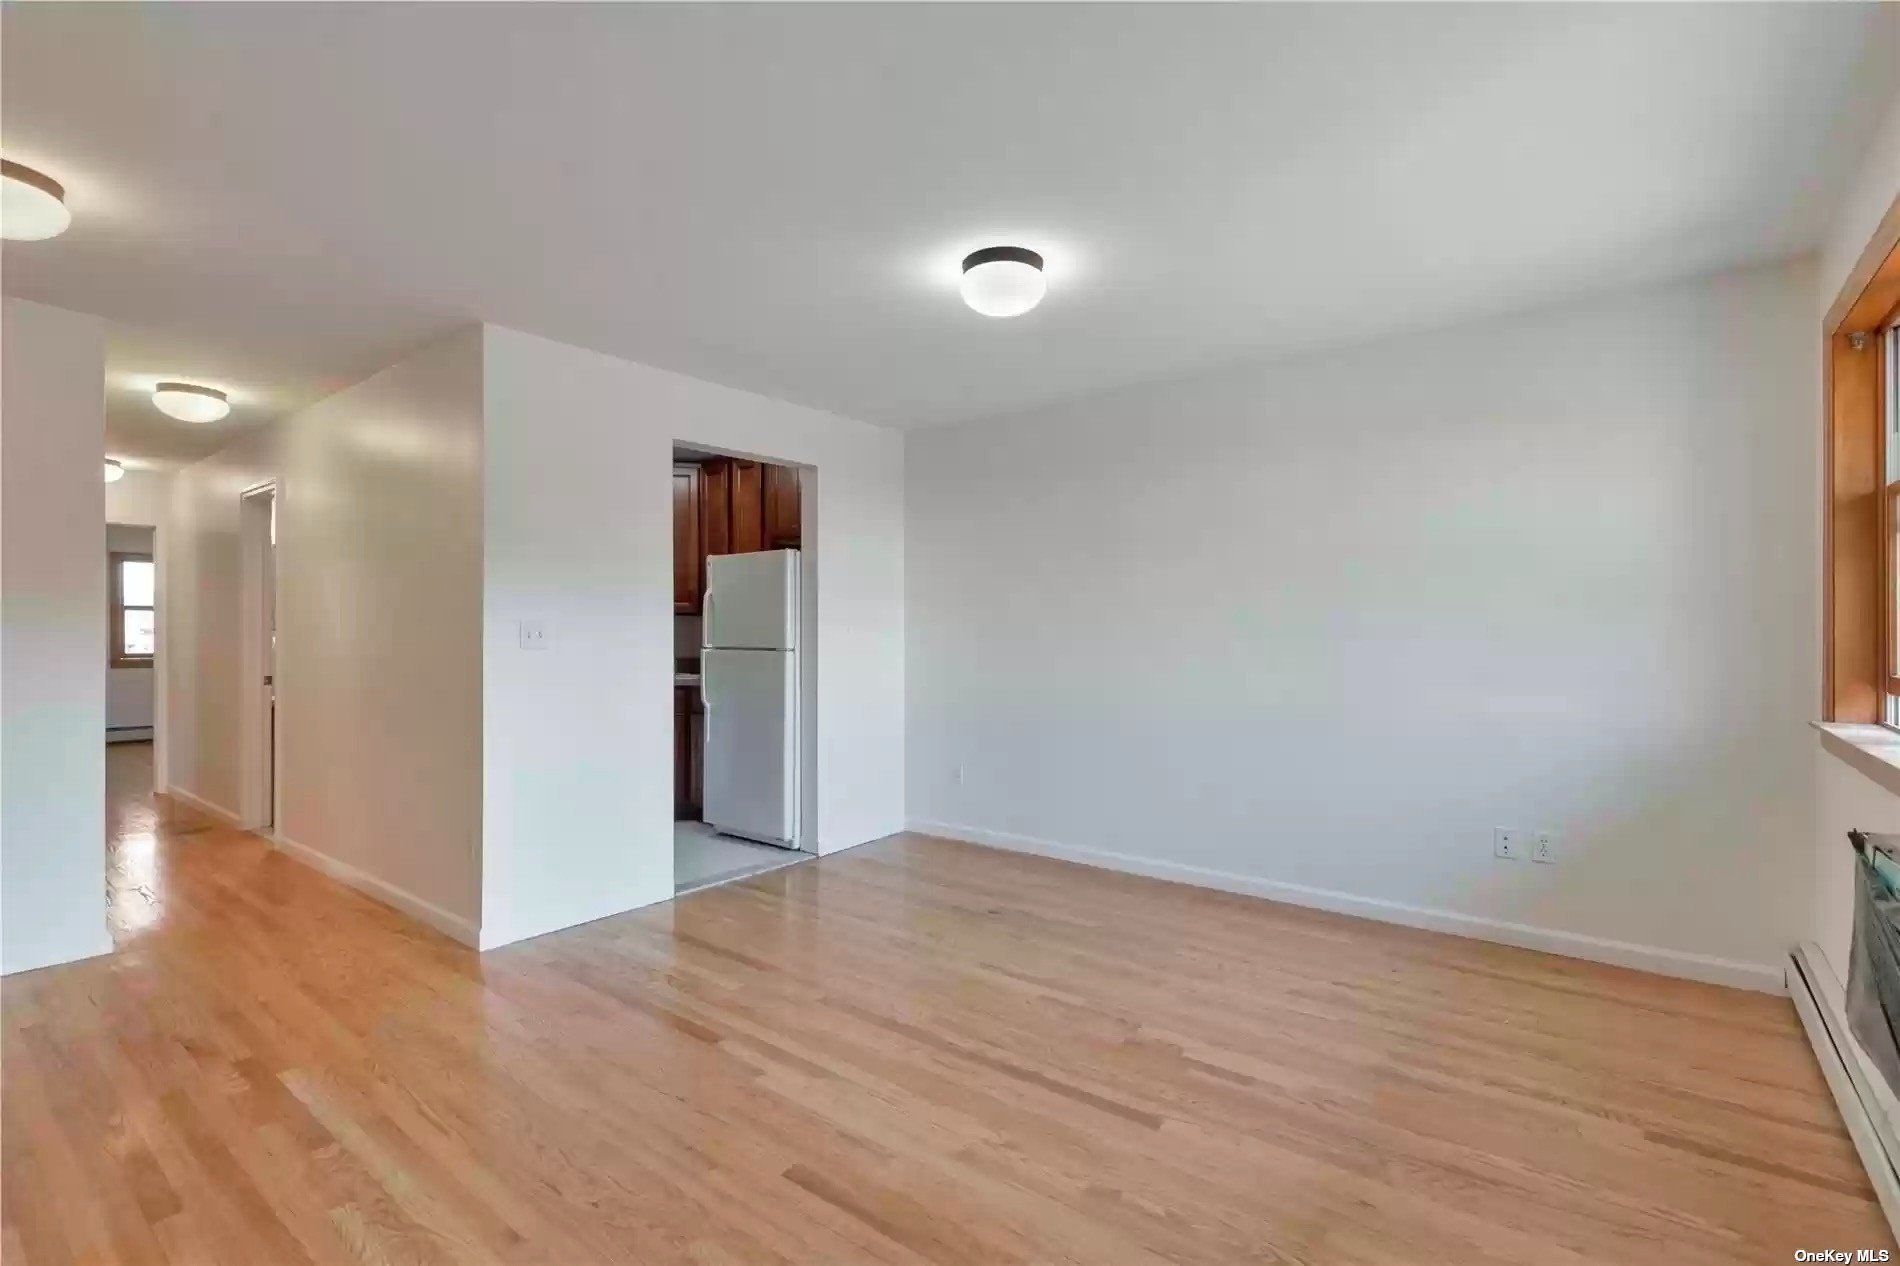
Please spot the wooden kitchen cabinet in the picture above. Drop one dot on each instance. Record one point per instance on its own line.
(781, 507)
(748, 508)
(715, 513)
(689, 558)
(728, 506)
(687, 776)
(696, 755)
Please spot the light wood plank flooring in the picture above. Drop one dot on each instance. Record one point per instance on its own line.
(916, 1051)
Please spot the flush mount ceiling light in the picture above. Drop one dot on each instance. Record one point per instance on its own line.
(114, 471)
(32, 204)
(187, 403)
(1003, 281)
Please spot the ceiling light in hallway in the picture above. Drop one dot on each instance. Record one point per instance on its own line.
(32, 204)
(1003, 281)
(188, 403)
(114, 471)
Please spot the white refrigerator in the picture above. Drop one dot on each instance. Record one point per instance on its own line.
(748, 679)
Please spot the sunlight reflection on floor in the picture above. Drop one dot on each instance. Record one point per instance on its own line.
(132, 887)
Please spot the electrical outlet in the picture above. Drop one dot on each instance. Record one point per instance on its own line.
(534, 635)
(1544, 847)
(1508, 842)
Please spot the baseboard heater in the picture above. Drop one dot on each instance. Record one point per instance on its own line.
(1867, 1105)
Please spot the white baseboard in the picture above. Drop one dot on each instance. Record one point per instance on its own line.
(199, 803)
(1867, 1105)
(449, 924)
(443, 921)
(1763, 977)
(832, 850)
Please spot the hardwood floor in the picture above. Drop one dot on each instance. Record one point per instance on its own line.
(916, 1051)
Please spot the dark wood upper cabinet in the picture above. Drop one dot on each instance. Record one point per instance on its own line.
(715, 507)
(781, 507)
(728, 506)
(688, 560)
(748, 508)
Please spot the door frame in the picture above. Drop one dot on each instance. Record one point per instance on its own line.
(260, 783)
(806, 797)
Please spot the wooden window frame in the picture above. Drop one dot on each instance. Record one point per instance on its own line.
(1883, 343)
(116, 655)
(1859, 642)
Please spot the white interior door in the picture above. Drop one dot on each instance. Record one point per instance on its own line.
(257, 659)
(751, 776)
(751, 600)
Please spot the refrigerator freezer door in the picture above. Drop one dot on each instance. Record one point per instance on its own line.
(751, 601)
(751, 744)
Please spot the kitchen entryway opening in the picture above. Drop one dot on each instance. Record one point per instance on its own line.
(743, 635)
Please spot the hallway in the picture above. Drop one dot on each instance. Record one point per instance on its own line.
(174, 872)
(917, 1051)
(136, 821)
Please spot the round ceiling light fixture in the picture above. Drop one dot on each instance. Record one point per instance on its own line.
(190, 403)
(114, 471)
(32, 204)
(1003, 281)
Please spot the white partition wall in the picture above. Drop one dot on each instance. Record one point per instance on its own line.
(378, 600)
(424, 514)
(52, 639)
(577, 737)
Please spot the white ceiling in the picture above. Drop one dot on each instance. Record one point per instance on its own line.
(280, 198)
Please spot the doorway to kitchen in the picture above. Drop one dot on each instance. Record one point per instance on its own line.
(742, 581)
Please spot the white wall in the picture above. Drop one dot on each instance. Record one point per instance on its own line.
(578, 738)
(140, 496)
(201, 604)
(128, 690)
(1313, 628)
(52, 647)
(1846, 797)
(379, 607)
(1871, 191)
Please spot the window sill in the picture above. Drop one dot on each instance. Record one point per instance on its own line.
(1872, 749)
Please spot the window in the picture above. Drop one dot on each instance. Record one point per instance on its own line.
(134, 610)
(1861, 525)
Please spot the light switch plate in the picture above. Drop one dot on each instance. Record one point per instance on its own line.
(1508, 842)
(534, 635)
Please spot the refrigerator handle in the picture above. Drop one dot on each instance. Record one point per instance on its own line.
(705, 619)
